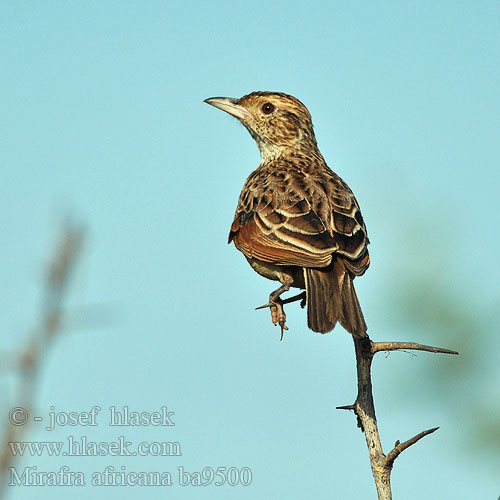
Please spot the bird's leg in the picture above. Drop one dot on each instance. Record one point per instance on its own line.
(295, 298)
(301, 296)
(276, 303)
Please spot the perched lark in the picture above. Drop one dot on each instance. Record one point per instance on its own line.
(297, 221)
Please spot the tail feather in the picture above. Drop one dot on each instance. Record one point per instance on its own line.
(332, 298)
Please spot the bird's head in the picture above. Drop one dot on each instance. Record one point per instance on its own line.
(278, 122)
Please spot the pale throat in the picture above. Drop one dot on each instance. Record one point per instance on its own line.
(272, 151)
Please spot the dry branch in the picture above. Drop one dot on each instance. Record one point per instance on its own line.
(400, 447)
(364, 408)
(413, 346)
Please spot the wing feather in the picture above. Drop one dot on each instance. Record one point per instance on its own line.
(287, 216)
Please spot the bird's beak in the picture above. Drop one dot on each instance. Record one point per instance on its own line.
(231, 106)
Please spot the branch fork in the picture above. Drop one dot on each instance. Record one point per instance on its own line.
(364, 409)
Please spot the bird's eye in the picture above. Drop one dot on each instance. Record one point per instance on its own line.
(267, 108)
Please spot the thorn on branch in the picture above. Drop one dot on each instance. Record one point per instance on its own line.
(347, 407)
(400, 447)
(396, 346)
(354, 408)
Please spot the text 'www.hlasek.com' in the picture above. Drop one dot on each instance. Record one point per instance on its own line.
(74, 445)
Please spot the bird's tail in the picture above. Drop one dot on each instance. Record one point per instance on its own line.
(331, 297)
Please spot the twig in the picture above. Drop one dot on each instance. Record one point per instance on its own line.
(400, 447)
(364, 408)
(396, 346)
(28, 361)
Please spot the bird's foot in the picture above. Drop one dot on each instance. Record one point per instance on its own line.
(295, 298)
(301, 296)
(275, 303)
(278, 316)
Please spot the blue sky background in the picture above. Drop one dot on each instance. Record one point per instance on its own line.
(102, 118)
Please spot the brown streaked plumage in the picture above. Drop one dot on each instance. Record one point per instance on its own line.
(297, 221)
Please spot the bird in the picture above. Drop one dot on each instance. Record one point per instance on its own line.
(297, 221)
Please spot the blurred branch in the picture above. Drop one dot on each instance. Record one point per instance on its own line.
(468, 322)
(32, 354)
(364, 408)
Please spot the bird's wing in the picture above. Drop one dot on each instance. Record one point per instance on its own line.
(287, 217)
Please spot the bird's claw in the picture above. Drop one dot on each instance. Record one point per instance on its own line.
(264, 306)
(283, 328)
